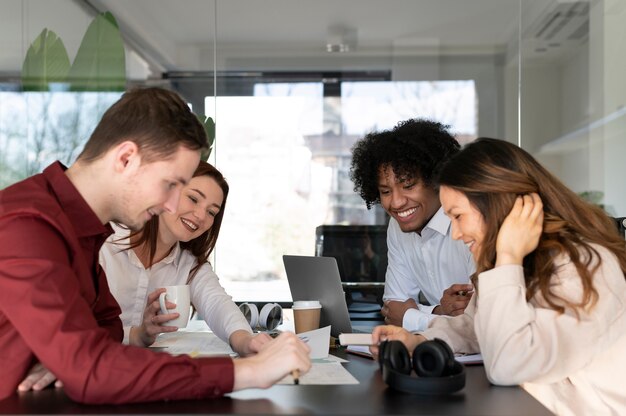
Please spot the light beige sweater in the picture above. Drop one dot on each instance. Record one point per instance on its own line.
(573, 366)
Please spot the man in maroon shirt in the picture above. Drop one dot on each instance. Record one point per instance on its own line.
(56, 309)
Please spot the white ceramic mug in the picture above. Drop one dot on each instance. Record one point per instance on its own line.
(179, 295)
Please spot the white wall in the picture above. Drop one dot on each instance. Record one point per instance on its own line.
(614, 104)
(574, 110)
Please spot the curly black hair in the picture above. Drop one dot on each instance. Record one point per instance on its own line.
(414, 149)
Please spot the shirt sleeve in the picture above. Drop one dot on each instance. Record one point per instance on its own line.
(215, 306)
(418, 319)
(126, 339)
(398, 282)
(106, 310)
(457, 331)
(526, 342)
(40, 289)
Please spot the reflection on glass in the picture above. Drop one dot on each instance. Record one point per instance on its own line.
(546, 74)
(37, 128)
(573, 95)
(287, 162)
(371, 106)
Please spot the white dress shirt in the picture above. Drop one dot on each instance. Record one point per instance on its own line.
(131, 283)
(428, 263)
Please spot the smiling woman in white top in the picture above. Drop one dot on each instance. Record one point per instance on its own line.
(549, 312)
(173, 249)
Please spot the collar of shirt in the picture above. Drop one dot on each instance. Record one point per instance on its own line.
(121, 239)
(85, 222)
(439, 223)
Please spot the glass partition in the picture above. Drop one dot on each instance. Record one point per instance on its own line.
(62, 67)
(292, 85)
(298, 92)
(573, 94)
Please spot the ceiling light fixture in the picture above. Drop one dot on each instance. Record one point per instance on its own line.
(341, 39)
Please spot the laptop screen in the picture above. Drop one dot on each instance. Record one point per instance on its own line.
(317, 278)
(360, 251)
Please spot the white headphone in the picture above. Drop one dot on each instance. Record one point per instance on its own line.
(270, 317)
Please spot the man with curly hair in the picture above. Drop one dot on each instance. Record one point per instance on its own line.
(428, 271)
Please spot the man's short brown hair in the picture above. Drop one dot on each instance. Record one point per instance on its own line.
(156, 119)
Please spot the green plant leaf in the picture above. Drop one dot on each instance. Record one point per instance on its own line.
(46, 62)
(209, 128)
(100, 63)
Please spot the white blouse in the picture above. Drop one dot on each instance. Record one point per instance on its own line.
(131, 283)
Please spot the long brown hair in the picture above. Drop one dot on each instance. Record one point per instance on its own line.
(200, 247)
(491, 174)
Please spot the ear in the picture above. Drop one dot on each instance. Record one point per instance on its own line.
(126, 156)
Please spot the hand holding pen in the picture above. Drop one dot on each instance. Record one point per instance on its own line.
(283, 355)
(454, 300)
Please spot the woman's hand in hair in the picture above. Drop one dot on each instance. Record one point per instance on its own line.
(520, 231)
(151, 326)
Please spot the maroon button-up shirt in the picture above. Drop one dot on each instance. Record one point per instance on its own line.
(56, 307)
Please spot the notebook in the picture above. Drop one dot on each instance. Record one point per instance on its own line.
(317, 278)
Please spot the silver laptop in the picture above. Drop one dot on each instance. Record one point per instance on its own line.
(317, 278)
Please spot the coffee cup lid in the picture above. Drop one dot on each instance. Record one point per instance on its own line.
(306, 304)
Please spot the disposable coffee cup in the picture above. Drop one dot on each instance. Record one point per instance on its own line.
(181, 297)
(306, 315)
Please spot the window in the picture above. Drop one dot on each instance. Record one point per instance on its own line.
(37, 128)
(286, 153)
(291, 91)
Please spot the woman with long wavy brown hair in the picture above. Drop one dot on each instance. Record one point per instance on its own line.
(549, 311)
(173, 249)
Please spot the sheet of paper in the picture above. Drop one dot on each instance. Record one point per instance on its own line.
(469, 359)
(192, 343)
(318, 340)
(362, 350)
(326, 369)
(326, 373)
(329, 359)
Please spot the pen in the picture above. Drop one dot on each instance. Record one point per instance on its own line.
(296, 376)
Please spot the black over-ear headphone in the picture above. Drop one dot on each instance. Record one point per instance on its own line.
(433, 361)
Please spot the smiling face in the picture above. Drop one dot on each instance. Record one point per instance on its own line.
(409, 202)
(154, 188)
(466, 221)
(200, 201)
